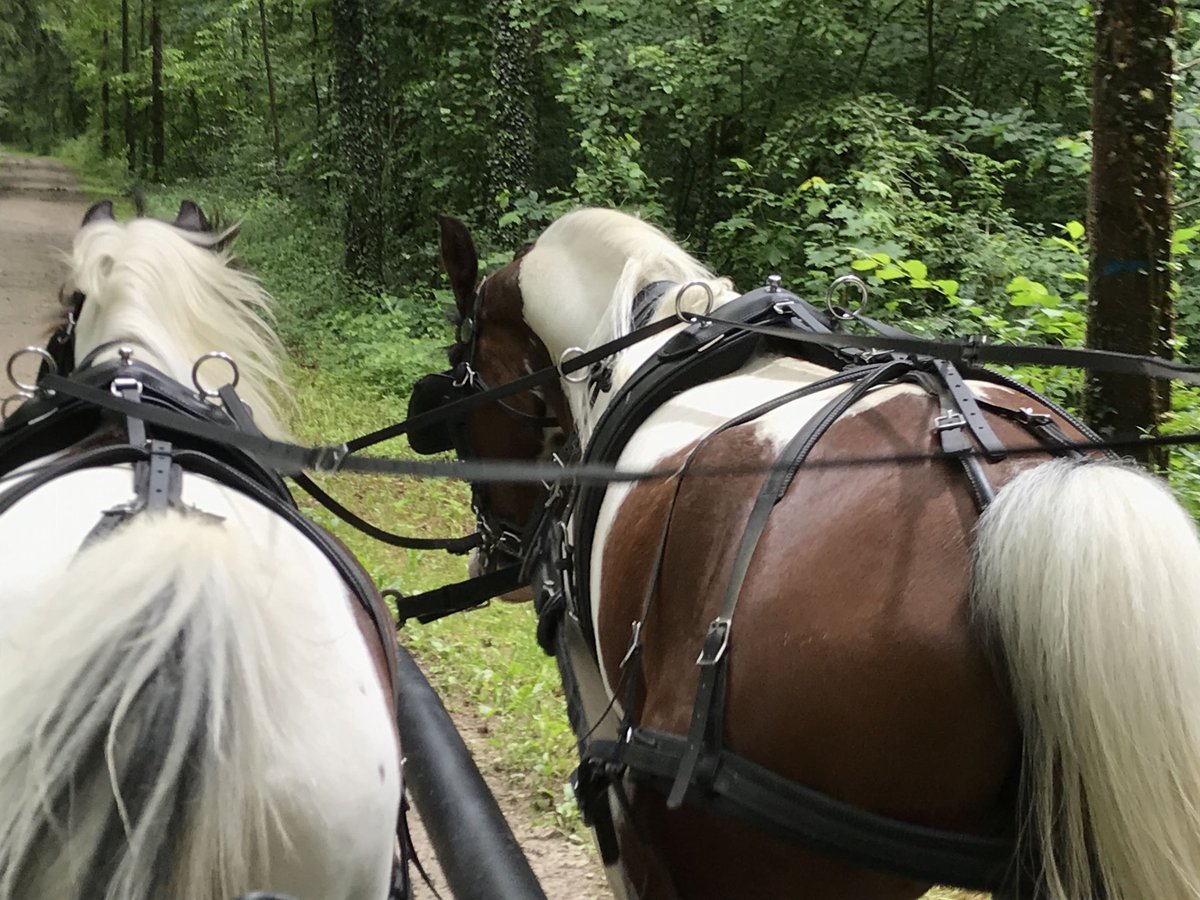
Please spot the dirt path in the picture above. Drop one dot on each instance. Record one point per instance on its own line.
(40, 208)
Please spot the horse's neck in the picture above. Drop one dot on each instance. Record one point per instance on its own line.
(588, 405)
(151, 342)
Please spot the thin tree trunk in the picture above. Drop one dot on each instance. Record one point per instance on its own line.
(246, 79)
(930, 58)
(158, 102)
(142, 117)
(126, 102)
(105, 123)
(361, 138)
(1129, 211)
(266, 50)
(510, 159)
(316, 91)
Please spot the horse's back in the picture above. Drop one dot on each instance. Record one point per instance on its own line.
(316, 730)
(853, 668)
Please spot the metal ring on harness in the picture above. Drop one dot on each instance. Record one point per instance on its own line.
(575, 377)
(214, 354)
(36, 351)
(839, 312)
(680, 314)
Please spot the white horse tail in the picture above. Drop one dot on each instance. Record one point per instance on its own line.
(138, 693)
(1087, 580)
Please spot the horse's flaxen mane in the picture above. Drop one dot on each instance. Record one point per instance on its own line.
(176, 291)
(644, 253)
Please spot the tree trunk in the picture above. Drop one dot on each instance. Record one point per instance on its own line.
(316, 90)
(105, 123)
(126, 102)
(361, 127)
(1129, 210)
(930, 57)
(158, 103)
(510, 160)
(142, 123)
(266, 50)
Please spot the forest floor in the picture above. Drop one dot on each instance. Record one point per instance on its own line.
(41, 206)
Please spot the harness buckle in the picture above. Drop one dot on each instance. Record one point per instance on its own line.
(509, 543)
(716, 642)
(122, 384)
(949, 420)
(969, 355)
(330, 459)
(1026, 416)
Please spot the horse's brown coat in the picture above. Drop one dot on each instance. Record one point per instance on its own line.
(854, 669)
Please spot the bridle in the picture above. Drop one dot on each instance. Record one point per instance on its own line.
(502, 540)
(466, 375)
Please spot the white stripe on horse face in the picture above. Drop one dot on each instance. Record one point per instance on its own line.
(685, 419)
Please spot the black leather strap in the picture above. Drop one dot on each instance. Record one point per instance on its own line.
(753, 794)
(974, 352)
(966, 405)
(704, 735)
(444, 601)
(458, 545)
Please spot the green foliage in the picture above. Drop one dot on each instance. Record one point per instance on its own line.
(1185, 461)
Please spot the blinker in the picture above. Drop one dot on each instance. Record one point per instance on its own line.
(428, 394)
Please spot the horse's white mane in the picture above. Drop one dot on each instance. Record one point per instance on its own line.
(643, 253)
(176, 294)
(579, 282)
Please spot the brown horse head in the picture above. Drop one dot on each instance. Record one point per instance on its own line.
(495, 345)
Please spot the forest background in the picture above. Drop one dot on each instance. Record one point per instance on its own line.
(940, 148)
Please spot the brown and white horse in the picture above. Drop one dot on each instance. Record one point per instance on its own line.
(894, 649)
(191, 703)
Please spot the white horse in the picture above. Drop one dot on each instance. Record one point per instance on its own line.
(894, 649)
(189, 706)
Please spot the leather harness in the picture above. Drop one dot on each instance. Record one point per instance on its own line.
(54, 424)
(697, 768)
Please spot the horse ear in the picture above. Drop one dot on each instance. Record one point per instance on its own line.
(190, 218)
(460, 260)
(99, 212)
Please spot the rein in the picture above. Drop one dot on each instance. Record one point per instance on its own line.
(290, 459)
